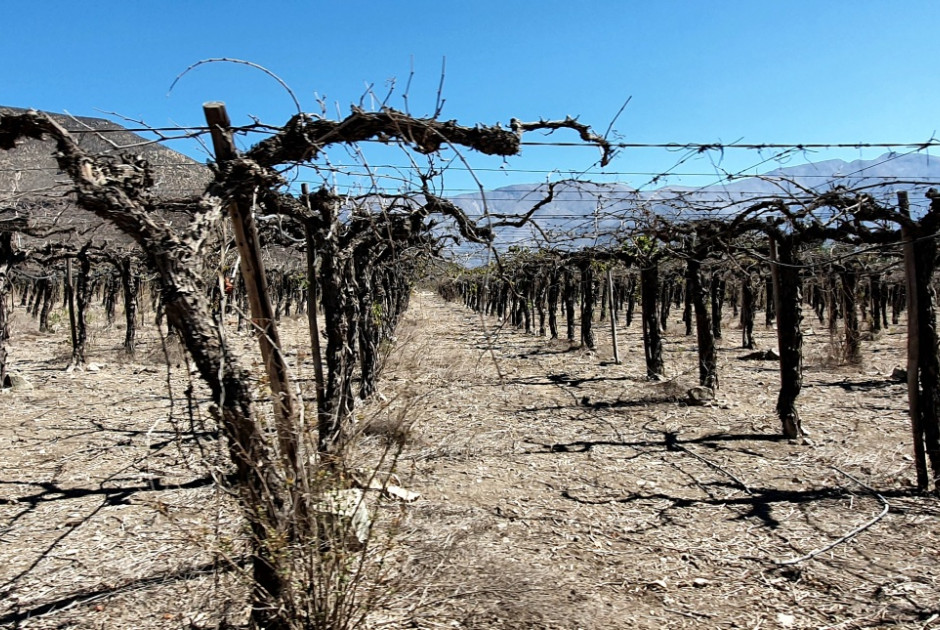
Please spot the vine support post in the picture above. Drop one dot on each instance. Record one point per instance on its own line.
(286, 404)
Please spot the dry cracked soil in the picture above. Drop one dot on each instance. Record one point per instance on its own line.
(557, 488)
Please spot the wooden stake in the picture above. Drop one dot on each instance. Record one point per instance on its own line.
(286, 404)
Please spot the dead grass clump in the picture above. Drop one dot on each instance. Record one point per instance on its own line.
(170, 352)
(391, 430)
(831, 356)
(672, 389)
(451, 575)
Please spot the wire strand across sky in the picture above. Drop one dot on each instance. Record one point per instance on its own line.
(810, 80)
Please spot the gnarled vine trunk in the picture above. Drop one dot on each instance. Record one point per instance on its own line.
(130, 282)
(853, 336)
(652, 336)
(6, 263)
(588, 296)
(568, 298)
(553, 291)
(789, 291)
(707, 352)
(747, 311)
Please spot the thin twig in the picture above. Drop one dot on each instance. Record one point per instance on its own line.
(708, 462)
(616, 116)
(250, 64)
(439, 104)
(848, 536)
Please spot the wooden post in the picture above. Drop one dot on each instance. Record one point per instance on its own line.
(613, 317)
(913, 343)
(286, 405)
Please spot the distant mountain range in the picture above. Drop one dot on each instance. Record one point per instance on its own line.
(584, 212)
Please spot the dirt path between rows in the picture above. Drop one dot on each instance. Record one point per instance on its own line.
(558, 490)
(572, 493)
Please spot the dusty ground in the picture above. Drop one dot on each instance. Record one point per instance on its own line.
(558, 490)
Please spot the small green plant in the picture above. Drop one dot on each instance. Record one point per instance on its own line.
(378, 312)
(55, 319)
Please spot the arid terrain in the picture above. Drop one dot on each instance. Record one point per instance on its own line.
(558, 489)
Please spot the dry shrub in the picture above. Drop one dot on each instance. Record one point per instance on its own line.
(668, 390)
(391, 430)
(170, 351)
(831, 356)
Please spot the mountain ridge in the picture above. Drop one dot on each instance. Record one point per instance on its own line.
(581, 211)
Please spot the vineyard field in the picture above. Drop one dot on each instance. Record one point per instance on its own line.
(557, 489)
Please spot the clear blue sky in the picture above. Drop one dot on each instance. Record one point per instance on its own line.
(698, 71)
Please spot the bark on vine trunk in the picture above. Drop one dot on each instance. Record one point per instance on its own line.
(568, 298)
(923, 374)
(631, 300)
(747, 311)
(540, 295)
(130, 283)
(687, 309)
(338, 288)
(369, 327)
(112, 284)
(525, 305)
(553, 291)
(48, 299)
(853, 349)
(652, 336)
(78, 307)
(788, 289)
(588, 296)
(6, 262)
(665, 301)
(833, 302)
(707, 352)
(717, 301)
(770, 300)
(878, 304)
(69, 289)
